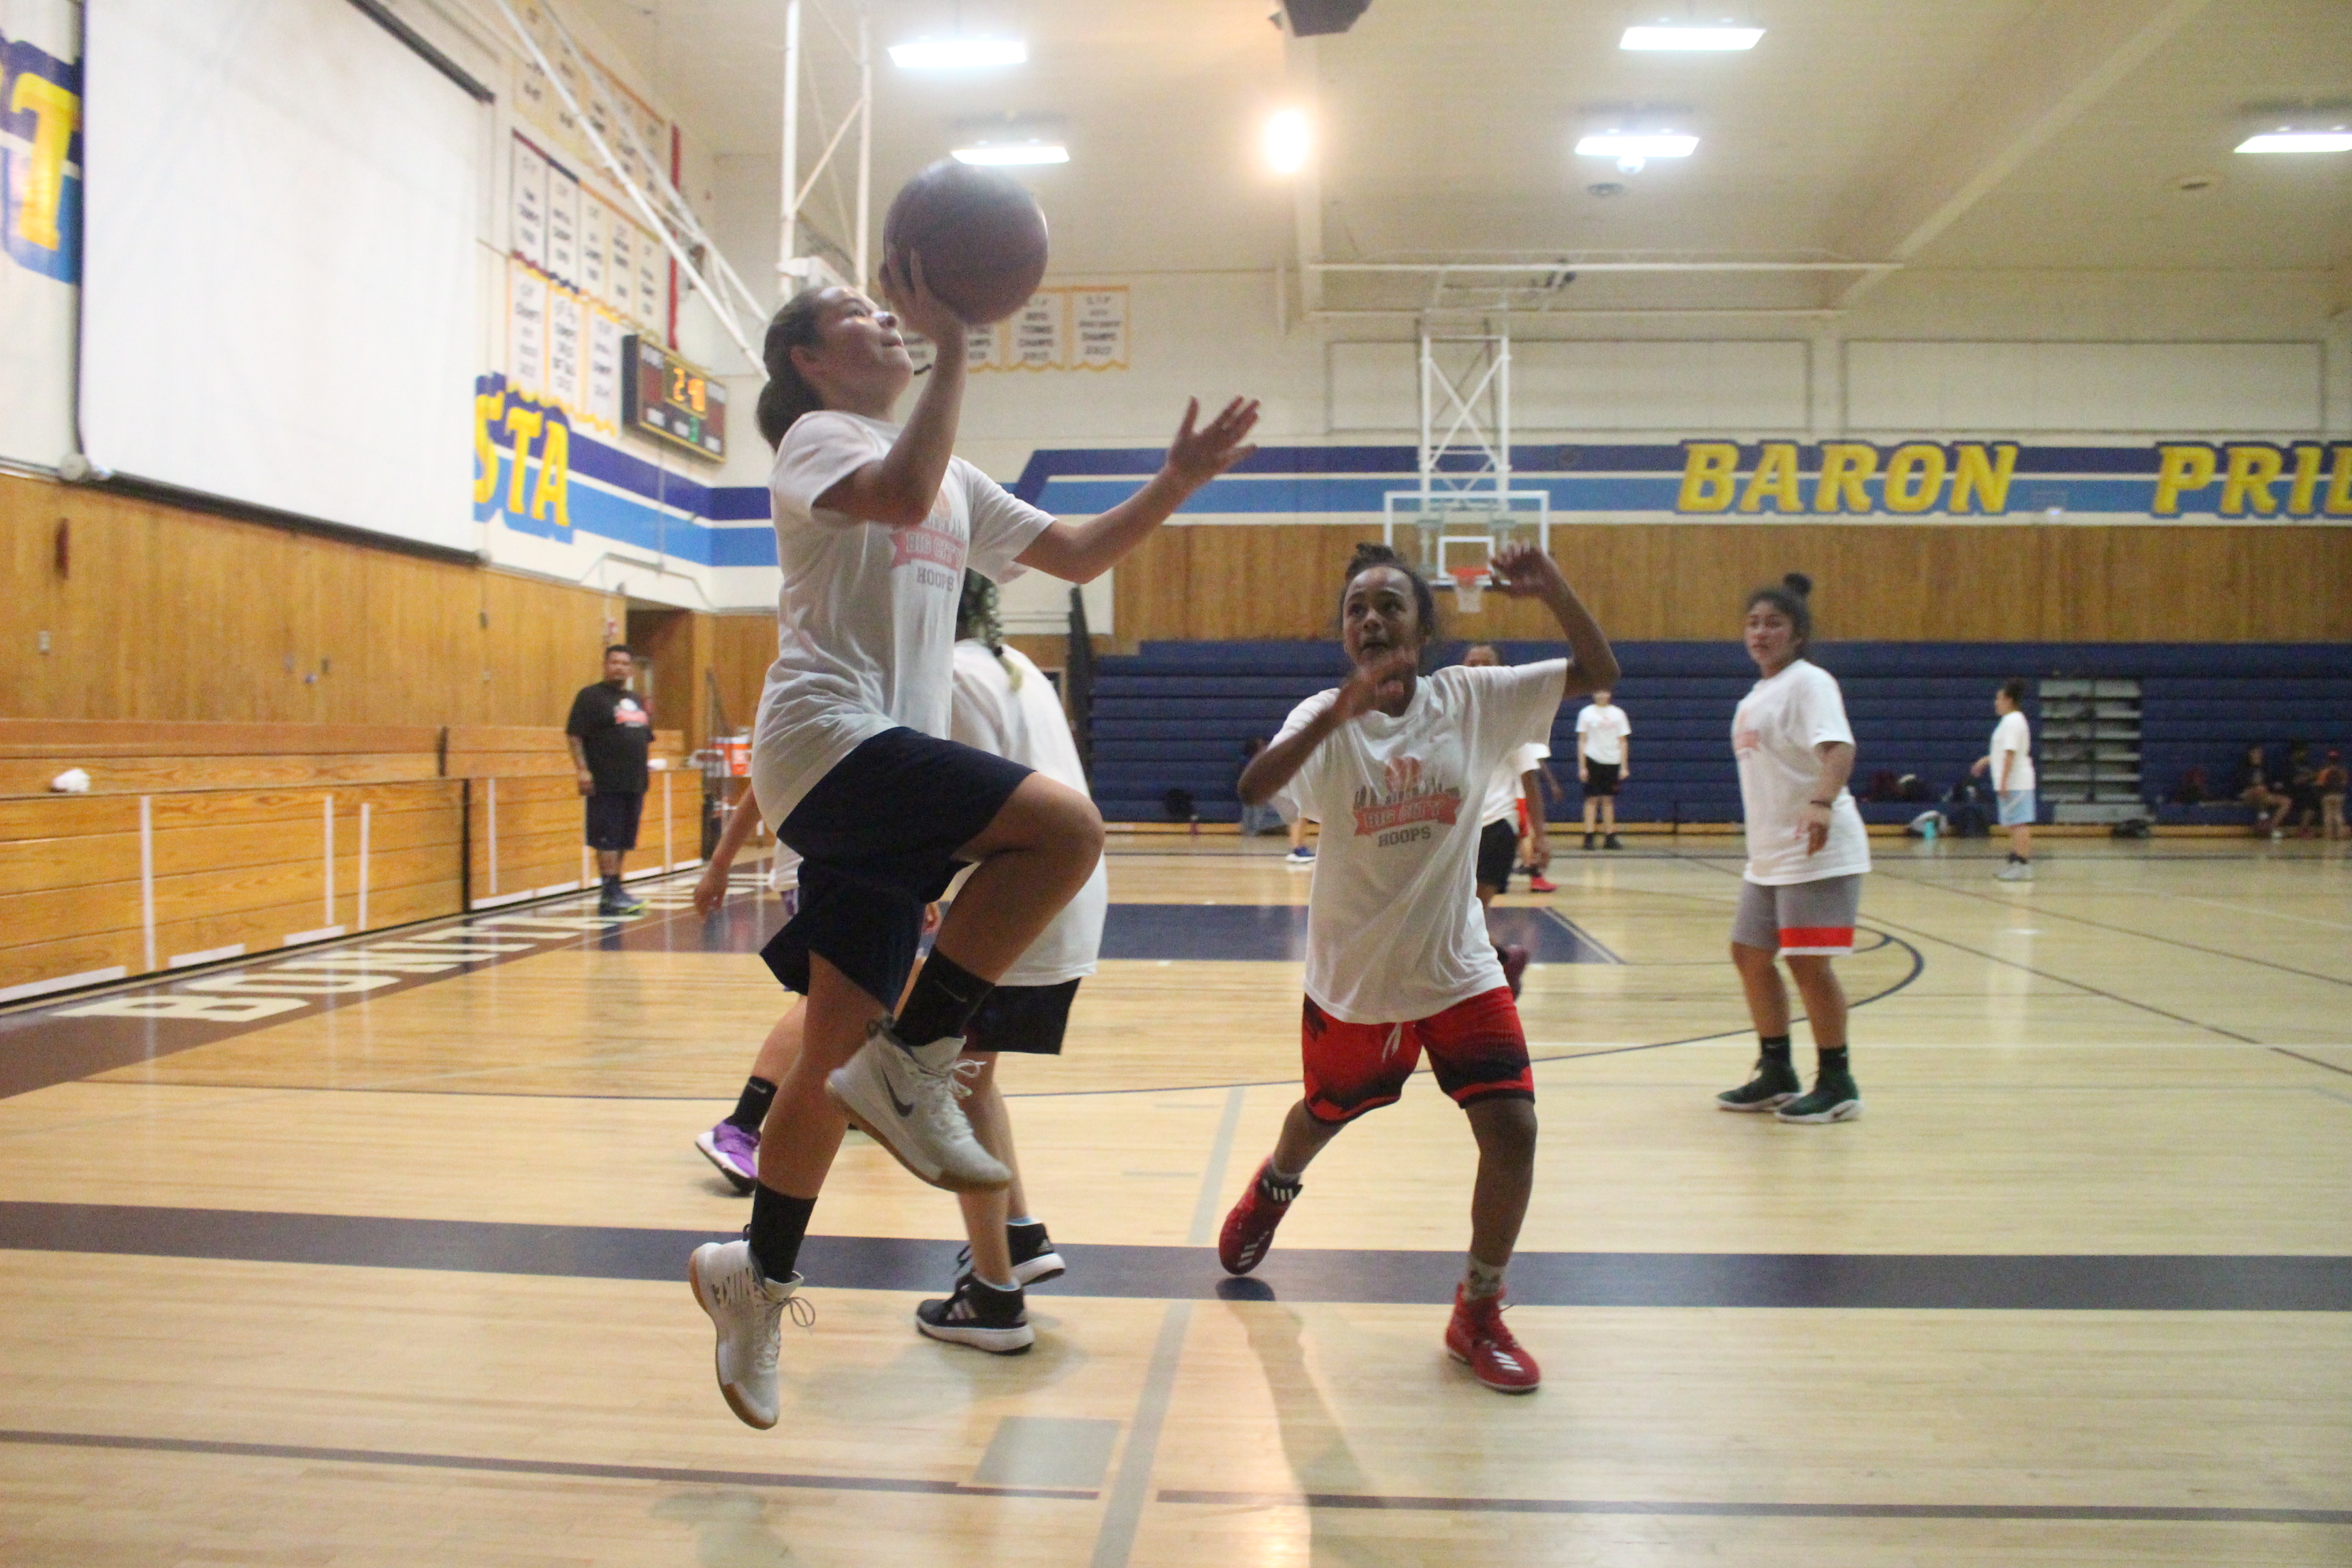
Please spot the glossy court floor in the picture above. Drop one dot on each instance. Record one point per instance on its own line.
(375, 1255)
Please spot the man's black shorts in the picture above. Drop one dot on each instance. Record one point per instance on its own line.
(877, 838)
(1499, 853)
(1601, 778)
(1029, 1019)
(613, 820)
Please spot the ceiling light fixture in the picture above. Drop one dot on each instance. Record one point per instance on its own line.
(1009, 154)
(2290, 139)
(958, 54)
(1667, 35)
(1288, 140)
(1634, 149)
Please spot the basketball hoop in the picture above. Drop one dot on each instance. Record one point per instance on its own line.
(1469, 582)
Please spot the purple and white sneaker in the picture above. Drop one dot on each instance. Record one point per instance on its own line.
(736, 1153)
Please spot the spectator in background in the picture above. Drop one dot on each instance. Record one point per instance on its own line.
(1256, 819)
(2010, 764)
(610, 734)
(2331, 781)
(1604, 757)
(2301, 789)
(2254, 789)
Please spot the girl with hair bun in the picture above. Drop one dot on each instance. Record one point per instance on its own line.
(1394, 764)
(1806, 854)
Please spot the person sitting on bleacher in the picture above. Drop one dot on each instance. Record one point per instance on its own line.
(2254, 789)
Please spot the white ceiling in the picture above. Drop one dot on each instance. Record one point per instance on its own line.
(1945, 134)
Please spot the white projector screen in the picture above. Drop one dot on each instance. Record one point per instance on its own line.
(278, 292)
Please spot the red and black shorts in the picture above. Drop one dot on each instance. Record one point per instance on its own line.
(1476, 1049)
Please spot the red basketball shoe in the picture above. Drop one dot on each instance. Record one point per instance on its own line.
(1478, 1336)
(1249, 1229)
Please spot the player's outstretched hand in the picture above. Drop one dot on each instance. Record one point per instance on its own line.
(710, 890)
(1372, 686)
(1525, 572)
(1197, 456)
(911, 300)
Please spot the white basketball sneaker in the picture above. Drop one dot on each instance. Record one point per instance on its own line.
(906, 1100)
(746, 1308)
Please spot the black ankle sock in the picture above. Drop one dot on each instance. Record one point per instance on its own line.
(752, 1106)
(1775, 1049)
(1834, 1060)
(613, 885)
(778, 1222)
(945, 997)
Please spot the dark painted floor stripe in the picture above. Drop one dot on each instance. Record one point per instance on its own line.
(2093, 1513)
(533, 1467)
(1769, 1279)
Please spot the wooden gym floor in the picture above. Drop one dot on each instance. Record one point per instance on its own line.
(374, 1254)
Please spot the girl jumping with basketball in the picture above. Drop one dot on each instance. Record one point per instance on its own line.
(1394, 763)
(876, 523)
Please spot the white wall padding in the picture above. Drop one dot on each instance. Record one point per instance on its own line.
(2153, 387)
(278, 292)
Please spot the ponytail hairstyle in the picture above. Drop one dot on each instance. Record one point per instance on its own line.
(976, 620)
(1791, 596)
(788, 394)
(1424, 602)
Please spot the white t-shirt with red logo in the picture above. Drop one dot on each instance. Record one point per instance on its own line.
(1393, 928)
(865, 622)
(1773, 734)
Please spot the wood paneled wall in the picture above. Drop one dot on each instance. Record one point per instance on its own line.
(1685, 581)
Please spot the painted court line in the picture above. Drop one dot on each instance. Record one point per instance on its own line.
(2090, 1513)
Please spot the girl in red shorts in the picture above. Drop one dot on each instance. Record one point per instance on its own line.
(1394, 765)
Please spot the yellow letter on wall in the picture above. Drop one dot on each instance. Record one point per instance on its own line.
(2251, 472)
(1775, 476)
(554, 490)
(522, 426)
(1982, 479)
(2339, 483)
(486, 450)
(1845, 465)
(1708, 470)
(2304, 485)
(57, 114)
(1913, 475)
(2180, 468)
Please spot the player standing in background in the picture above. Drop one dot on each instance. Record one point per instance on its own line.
(876, 524)
(610, 734)
(733, 1145)
(1806, 854)
(1514, 779)
(2011, 763)
(1398, 961)
(1604, 756)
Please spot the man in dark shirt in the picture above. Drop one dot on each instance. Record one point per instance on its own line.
(610, 732)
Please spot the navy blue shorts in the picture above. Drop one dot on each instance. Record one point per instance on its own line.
(877, 838)
(613, 820)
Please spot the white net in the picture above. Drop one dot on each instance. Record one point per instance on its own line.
(1469, 585)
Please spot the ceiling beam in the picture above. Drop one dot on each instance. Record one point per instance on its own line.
(2046, 73)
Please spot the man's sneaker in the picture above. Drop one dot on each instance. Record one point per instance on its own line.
(2015, 871)
(1540, 883)
(1590, 839)
(1034, 1261)
(979, 1315)
(1774, 1085)
(746, 1306)
(906, 1100)
(736, 1153)
(1478, 1337)
(1514, 965)
(1249, 1229)
(1834, 1099)
(625, 904)
(1299, 858)
(1611, 843)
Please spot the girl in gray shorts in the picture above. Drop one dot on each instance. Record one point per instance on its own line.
(1806, 854)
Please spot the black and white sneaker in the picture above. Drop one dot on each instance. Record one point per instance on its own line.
(981, 1315)
(1034, 1261)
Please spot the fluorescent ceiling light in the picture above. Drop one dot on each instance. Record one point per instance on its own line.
(958, 54)
(1288, 140)
(1000, 154)
(2335, 140)
(1670, 37)
(1637, 144)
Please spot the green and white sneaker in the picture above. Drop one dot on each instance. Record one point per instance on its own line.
(1774, 1085)
(1834, 1099)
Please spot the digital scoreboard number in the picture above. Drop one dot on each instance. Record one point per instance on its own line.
(666, 398)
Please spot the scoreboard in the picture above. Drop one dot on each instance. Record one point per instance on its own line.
(666, 398)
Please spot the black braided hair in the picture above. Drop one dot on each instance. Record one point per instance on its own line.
(976, 620)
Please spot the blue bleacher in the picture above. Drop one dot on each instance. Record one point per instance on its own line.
(1175, 714)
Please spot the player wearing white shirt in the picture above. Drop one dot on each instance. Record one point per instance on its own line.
(1515, 779)
(875, 525)
(1398, 961)
(1806, 852)
(1604, 755)
(2010, 763)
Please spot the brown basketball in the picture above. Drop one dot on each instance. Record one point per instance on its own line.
(981, 235)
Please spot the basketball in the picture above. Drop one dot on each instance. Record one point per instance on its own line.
(982, 237)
